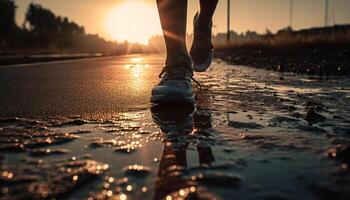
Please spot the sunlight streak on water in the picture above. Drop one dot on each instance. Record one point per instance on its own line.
(137, 70)
(136, 59)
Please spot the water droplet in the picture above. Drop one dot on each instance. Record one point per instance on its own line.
(192, 189)
(168, 197)
(75, 178)
(110, 179)
(123, 197)
(109, 193)
(10, 175)
(182, 192)
(129, 188)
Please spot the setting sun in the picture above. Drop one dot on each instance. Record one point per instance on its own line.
(132, 21)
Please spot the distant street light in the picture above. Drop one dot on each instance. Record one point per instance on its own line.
(291, 4)
(326, 12)
(228, 21)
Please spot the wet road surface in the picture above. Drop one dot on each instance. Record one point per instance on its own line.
(85, 130)
(95, 87)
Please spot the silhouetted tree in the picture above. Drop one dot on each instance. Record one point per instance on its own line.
(268, 32)
(45, 32)
(251, 35)
(42, 22)
(54, 30)
(7, 20)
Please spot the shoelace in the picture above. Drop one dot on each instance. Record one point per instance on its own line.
(169, 68)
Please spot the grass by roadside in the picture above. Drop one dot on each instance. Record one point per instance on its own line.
(311, 53)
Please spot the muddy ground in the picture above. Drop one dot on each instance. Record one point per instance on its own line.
(253, 134)
(320, 59)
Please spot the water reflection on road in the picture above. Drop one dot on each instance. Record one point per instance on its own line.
(183, 130)
(251, 135)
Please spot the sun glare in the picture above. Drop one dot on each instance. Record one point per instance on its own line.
(132, 21)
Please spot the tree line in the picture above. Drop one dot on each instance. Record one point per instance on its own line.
(44, 32)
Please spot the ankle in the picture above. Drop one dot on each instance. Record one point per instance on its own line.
(203, 23)
(181, 58)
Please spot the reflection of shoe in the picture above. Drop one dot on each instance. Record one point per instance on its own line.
(174, 119)
(202, 50)
(175, 86)
(202, 119)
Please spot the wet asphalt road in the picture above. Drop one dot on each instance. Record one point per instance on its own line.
(87, 87)
(255, 134)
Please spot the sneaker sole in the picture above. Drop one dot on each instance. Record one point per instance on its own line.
(175, 99)
(203, 67)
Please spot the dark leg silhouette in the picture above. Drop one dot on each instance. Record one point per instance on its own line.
(173, 16)
(207, 8)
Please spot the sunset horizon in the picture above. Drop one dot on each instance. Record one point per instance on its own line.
(105, 19)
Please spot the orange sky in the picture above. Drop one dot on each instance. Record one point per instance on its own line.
(246, 14)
